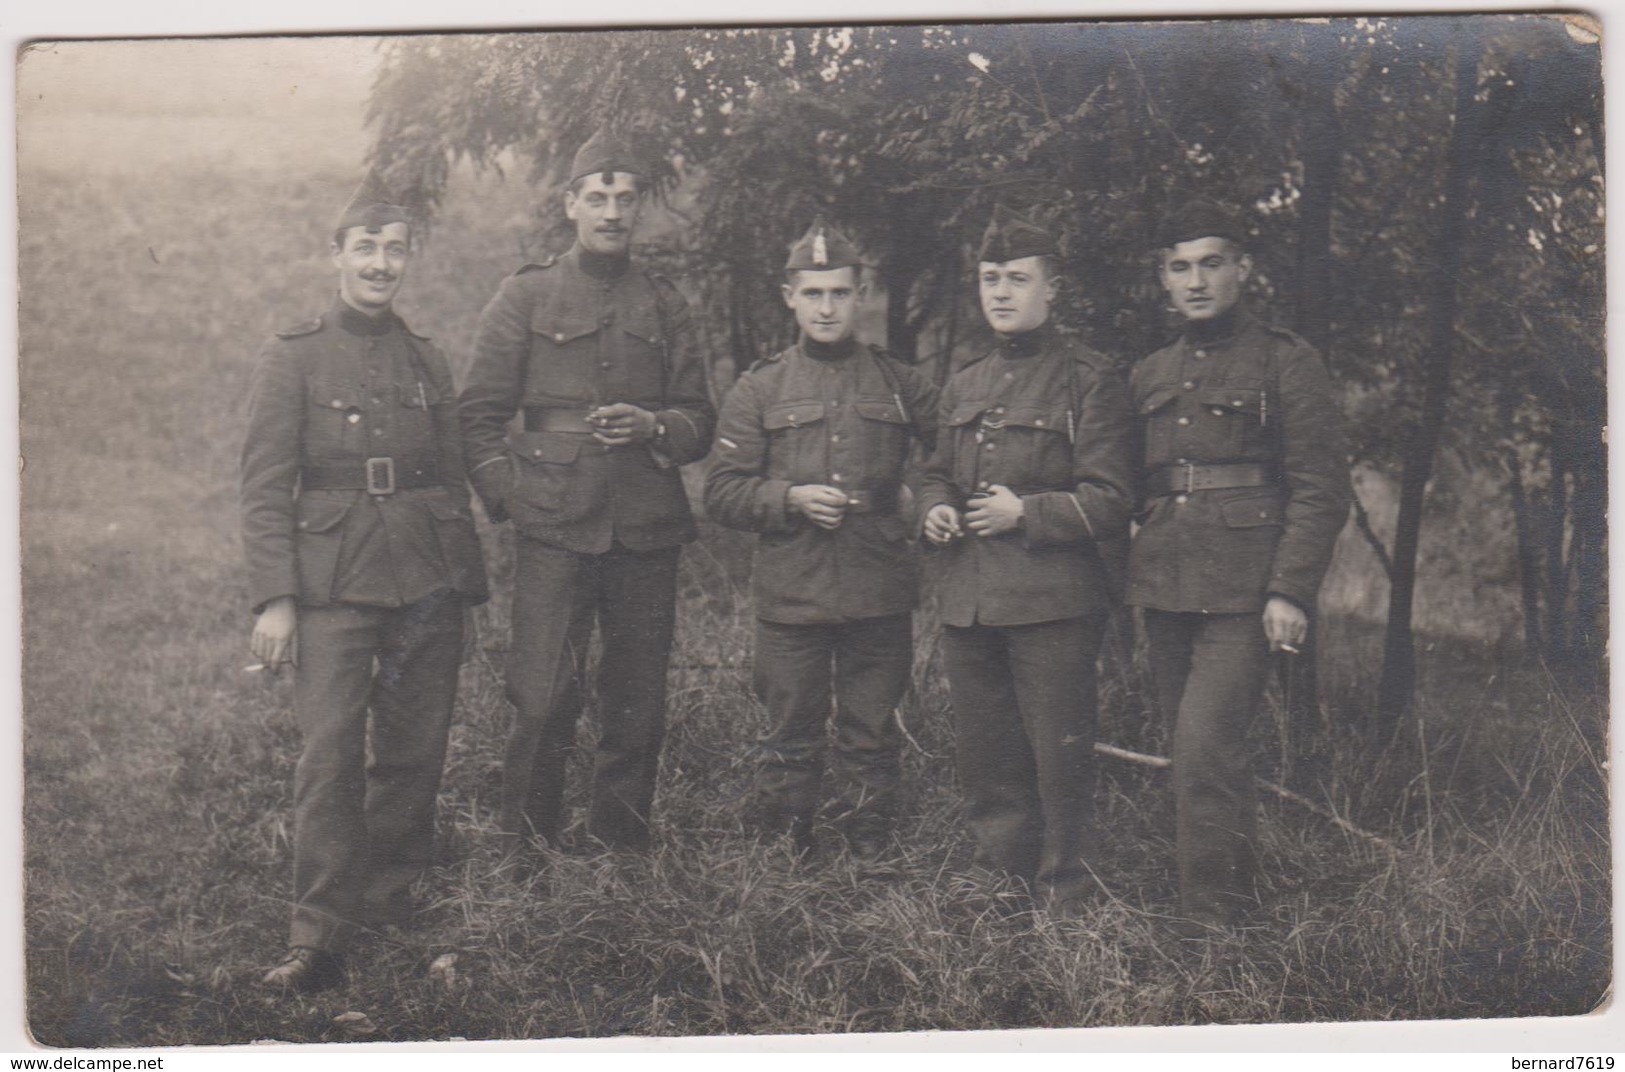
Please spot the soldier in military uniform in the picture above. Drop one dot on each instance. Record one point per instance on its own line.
(810, 453)
(598, 357)
(1245, 477)
(362, 557)
(1028, 496)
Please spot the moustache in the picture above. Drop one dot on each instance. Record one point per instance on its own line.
(378, 277)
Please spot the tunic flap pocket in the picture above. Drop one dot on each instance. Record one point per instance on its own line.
(321, 515)
(792, 415)
(1042, 415)
(641, 320)
(1159, 397)
(1243, 400)
(966, 412)
(561, 328)
(885, 410)
(1251, 511)
(334, 396)
(556, 448)
(421, 395)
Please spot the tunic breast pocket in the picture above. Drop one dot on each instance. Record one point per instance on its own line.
(562, 358)
(1039, 442)
(796, 433)
(964, 425)
(1229, 424)
(1158, 421)
(333, 422)
(416, 402)
(885, 431)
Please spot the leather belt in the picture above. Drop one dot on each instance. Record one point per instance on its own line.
(1184, 479)
(375, 476)
(880, 500)
(556, 419)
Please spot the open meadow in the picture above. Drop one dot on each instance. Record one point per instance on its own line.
(158, 774)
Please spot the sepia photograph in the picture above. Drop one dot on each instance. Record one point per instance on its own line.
(833, 529)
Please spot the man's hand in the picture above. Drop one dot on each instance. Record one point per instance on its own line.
(993, 514)
(276, 633)
(942, 525)
(821, 504)
(1285, 624)
(620, 424)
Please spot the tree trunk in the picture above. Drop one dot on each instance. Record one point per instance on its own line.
(1396, 691)
(1557, 588)
(1528, 552)
(1322, 152)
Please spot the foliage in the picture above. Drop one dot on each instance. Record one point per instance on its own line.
(907, 135)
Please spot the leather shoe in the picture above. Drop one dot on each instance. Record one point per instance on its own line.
(305, 969)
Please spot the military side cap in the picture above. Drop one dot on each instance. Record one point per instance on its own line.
(821, 249)
(372, 206)
(1200, 218)
(1011, 236)
(604, 154)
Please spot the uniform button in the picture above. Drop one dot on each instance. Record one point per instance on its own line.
(1201, 353)
(835, 402)
(1190, 385)
(603, 364)
(354, 418)
(1264, 513)
(990, 446)
(998, 409)
(1235, 401)
(377, 401)
(836, 438)
(1181, 461)
(304, 524)
(537, 452)
(836, 477)
(1009, 375)
(1039, 422)
(984, 485)
(607, 319)
(558, 336)
(1183, 421)
(1179, 498)
(377, 431)
(1218, 411)
(336, 404)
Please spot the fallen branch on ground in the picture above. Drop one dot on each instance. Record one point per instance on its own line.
(1163, 763)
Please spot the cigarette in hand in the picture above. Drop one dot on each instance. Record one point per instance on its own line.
(1289, 649)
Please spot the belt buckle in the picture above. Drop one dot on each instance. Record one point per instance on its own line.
(1190, 477)
(380, 476)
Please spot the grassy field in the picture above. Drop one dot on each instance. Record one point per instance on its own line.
(158, 775)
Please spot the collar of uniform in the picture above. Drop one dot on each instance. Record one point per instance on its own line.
(606, 268)
(1026, 343)
(356, 322)
(1221, 329)
(828, 351)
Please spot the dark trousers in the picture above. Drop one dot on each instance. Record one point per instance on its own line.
(364, 826)
(1024, 727)
(1210, 671)
(871, 659)
(558, 595)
